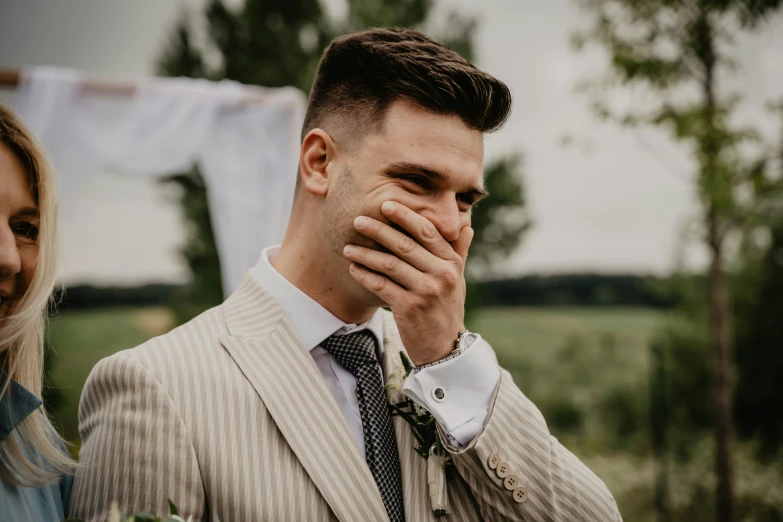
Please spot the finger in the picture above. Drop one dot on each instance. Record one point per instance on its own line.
(397, 243)
(390, 265)
(420, 227)
(386, 289)
(462, 243)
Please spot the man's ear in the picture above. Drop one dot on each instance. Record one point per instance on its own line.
(317, 152)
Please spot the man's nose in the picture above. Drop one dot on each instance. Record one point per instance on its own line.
(448, 219)
(10, 262)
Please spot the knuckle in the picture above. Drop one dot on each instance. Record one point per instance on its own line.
(449, 279)
(406, 245)
(429, 232)
(375, 226)
(431, 289)
(459, 265)
(378, 283)
(416, 304)
(391, 263)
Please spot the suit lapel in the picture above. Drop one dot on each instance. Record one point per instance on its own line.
(414, 466)
(283, 373)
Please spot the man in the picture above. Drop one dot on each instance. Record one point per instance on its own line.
(271, 406)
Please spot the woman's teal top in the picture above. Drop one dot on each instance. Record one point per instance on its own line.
(18, 503)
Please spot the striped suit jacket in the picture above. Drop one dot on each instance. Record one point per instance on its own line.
(229, 417)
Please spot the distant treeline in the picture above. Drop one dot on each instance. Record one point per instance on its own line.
(575, 290)
(533, 290)
(90, 296)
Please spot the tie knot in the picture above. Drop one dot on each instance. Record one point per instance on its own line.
(353, 350)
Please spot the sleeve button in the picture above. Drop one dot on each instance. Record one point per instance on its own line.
(520, 494)
(511, 482)
(493, 461)
(502, 470)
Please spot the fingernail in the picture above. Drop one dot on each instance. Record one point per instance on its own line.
(348, 250)
(388, 206)
(360, 221)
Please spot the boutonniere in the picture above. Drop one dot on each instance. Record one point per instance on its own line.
(428, 442)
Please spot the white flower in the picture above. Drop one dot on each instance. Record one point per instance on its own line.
(395, 381)
(114, 512)
(421, 412)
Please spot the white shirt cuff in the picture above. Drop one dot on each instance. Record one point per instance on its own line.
(466, 384)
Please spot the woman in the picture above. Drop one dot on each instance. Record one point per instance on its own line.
(35, 479)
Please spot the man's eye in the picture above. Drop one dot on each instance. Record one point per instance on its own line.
(26, 230)
(468, 200)
(418, 181)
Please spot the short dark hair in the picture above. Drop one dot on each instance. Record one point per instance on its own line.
(361, 74)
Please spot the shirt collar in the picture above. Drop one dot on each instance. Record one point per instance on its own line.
(16, 404)
(312, 322)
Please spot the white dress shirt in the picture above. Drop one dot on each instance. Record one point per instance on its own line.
(468, 381)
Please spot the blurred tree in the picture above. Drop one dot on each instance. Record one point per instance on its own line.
(676, 52)
(759, 303)
(279, 42)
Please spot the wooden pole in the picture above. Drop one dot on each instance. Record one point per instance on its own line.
(9, 77)
(12, 77)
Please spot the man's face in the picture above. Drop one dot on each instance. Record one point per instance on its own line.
(430, 163)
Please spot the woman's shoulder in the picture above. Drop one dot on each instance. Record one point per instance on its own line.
(21, 502)
(30, 503)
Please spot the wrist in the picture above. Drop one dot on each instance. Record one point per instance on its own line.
(433, 354)
(459, 344)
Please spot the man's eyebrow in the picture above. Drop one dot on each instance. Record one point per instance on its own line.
(415, 168)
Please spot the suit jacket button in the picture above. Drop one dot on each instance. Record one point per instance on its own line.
(511, 482)
(520, 494)
(503, 470)
(493, 460)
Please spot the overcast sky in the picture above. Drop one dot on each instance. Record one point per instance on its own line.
(616, 201)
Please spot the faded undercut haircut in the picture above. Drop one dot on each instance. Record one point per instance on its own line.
(361, 74)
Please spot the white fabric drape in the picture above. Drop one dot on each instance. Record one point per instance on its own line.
(244, 139)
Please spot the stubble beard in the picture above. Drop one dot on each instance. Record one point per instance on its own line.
(338, 231)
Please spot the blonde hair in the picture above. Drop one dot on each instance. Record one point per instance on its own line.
(34, 454)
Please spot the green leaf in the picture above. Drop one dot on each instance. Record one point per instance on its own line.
(406, 363)
(410, 421)
(172, 508)
(145, 515)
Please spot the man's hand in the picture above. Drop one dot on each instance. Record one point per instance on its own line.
(422, 280)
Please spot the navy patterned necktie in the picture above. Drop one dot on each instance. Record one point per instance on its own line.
(357, 353)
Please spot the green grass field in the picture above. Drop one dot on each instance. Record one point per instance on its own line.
(80, 339)
(567, 360)
(547, 350)
(587, 369)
